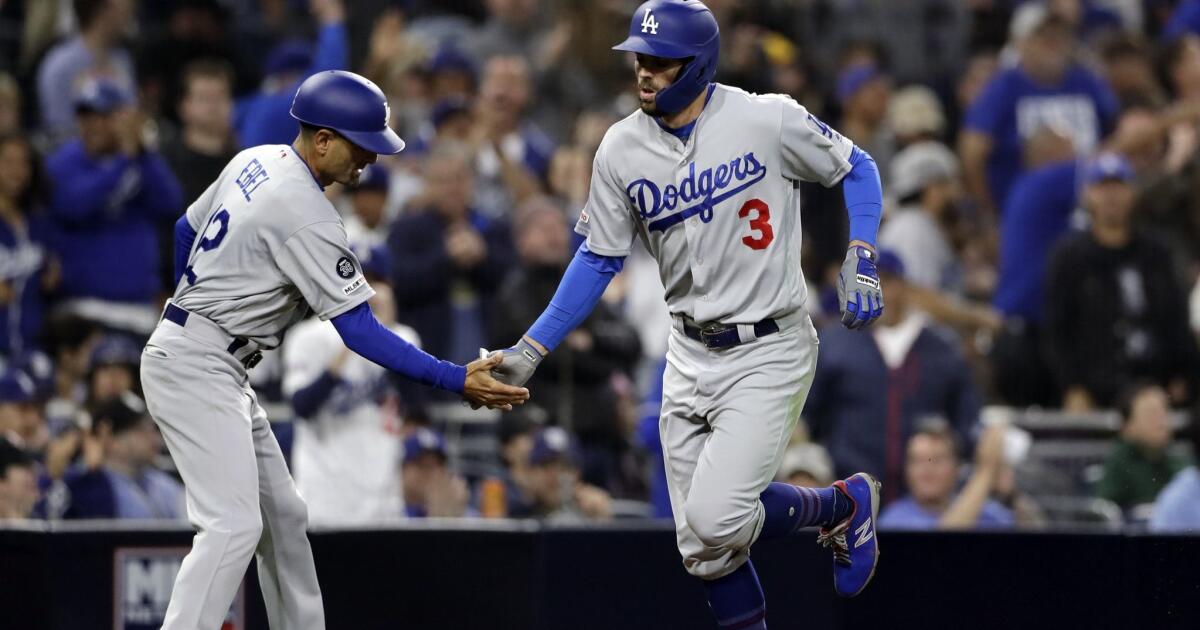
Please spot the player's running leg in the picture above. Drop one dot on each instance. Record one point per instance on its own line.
(194, 396)
(286, 571)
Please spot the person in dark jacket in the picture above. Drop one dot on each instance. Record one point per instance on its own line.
(917, 367)
(448, 262)
(584, 385)
(110, 194)
(1115, 310)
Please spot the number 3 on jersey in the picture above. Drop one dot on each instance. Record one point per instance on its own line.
(761, 223)
(208, 243)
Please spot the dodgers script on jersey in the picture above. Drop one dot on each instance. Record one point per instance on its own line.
(267, 243)
(720, 212)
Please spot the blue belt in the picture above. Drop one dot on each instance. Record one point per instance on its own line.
(726, 336)
(180, 316)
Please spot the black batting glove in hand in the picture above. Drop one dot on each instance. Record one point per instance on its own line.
(859, 293)
(519, 364)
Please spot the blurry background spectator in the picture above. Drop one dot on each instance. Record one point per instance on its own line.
(111, 197)
(934, 499)
(28, 270)
(556, 493)
(1114, 307)
(448, 261)
(871, 391)
(18, 483)
(1177, 507)
(116, 477)
(1140, 463)
(348, 422)
(97, 52)
(431, 489)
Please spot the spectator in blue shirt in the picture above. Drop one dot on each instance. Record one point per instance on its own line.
(932, 468)
(1178, 506)
(117, 478)
(262, 118)
(1045, 89)
(28, 271)
(110, 195)
(94, 53)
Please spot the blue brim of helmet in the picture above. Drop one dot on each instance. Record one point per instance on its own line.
(385, 142)
(666, 50)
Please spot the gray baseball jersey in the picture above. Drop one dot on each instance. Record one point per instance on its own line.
(720, 212)
(268, 242)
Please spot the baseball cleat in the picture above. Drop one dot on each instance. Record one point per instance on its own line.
(853, 541)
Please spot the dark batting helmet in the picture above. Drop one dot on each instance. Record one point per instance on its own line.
(677, 29)
(350, 105)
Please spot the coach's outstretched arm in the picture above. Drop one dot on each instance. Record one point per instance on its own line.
(580, 289)
(363, 334)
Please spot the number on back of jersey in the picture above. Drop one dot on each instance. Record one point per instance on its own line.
(649, 24)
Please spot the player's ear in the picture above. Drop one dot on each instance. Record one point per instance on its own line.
(322, 140)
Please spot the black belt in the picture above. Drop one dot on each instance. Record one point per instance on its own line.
(180, 316)
(726, 336)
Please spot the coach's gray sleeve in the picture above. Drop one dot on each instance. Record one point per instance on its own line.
(318, 260)
(606, 220)
(812, 151)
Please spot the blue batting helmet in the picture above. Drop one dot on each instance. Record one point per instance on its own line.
(350, 105)
(677, 29)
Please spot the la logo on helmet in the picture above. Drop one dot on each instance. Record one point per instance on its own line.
(649, 23)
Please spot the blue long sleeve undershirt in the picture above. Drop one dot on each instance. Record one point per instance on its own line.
(185, 236)
(362, 333)
(580, 289)
(864, 197)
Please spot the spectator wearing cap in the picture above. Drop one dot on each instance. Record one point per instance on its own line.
(1114, 308)
(871, 390)
(452, 75)
(512, 154)
(926, 182)
(1046, 88)
(916, 115)
(1184, 20)
(111, 195)
(21, 421)
(578, 385)
(96, 52)
(864, 92)
(116, 477)
(349, 418)
(806, 464)
(556, 493)
(28, 270)
(1177, 508)
(18, 483)
(448, 260)
(263, 118)
(113, 368)
(369, 222)
(431, 489)
(1140, 463)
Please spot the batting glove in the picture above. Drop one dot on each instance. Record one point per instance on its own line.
(859, 295)
(520, 362)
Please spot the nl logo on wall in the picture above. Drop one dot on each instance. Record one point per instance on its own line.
(142, 581)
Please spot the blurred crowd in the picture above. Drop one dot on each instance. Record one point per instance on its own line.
(1040, 247)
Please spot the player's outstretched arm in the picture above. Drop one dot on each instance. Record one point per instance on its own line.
(582, 285)
(362, 333)
(859, 293)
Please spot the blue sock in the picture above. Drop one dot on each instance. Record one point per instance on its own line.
(737, 600)
(788, 508)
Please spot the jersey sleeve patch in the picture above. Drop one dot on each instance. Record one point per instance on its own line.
(345, 268)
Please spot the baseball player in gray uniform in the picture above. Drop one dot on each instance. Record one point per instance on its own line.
(706, 176)
(260, 247)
